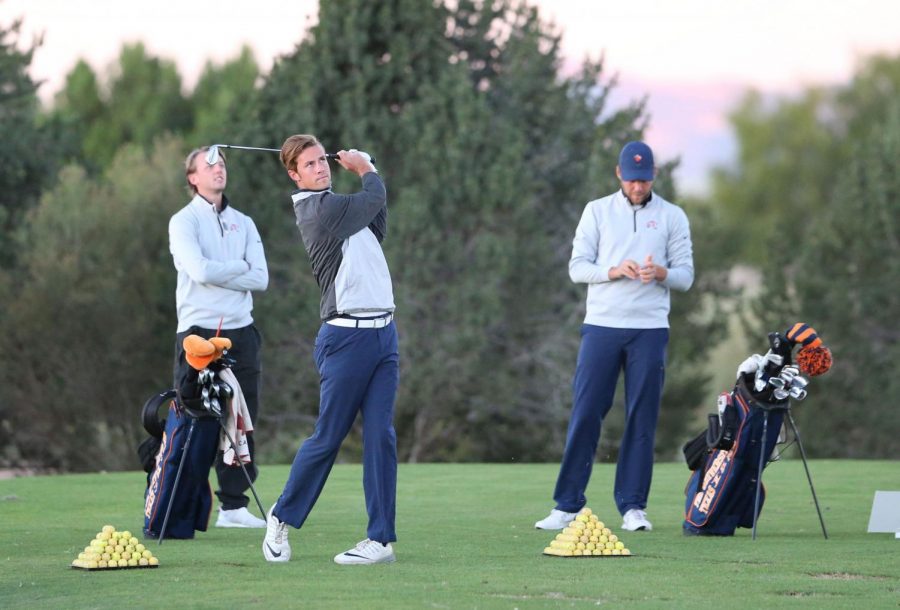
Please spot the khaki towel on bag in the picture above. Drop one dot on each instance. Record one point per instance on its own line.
(237, 424)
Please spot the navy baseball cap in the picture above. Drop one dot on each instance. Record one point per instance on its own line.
(636, 162)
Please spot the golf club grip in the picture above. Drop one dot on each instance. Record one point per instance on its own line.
(335, 157)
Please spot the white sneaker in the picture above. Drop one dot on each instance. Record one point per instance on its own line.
(636, 519)
(275, 545)
(367, 551)
(556, 520)
(239, 517)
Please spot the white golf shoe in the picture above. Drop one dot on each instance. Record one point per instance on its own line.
(275, 545)
(366, 552)
(636, 519)
(556, 520)
(239, 517)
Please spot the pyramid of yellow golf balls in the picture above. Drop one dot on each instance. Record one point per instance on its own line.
(112, 549)
(586, 536)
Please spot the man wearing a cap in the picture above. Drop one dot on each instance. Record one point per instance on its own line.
(220, 261)
(631, 248)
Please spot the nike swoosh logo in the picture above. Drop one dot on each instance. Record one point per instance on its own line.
(272, 551)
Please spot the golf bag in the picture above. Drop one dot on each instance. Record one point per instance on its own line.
(192, 504)
(720, 492)
(178, 499)
(160, 454)
(190, 434)
(725, 489)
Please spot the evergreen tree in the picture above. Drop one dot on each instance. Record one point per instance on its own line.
(571, 143)
(791, 150)
(223, 96)
(76, 112)
(145, 102)
(89, 335)
(843, 280)
(139, 100)
(810, 198)
(26, 159)
(370, 90)
(785, 169)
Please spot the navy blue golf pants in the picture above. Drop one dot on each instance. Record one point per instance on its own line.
(359, 371)
(604, 352)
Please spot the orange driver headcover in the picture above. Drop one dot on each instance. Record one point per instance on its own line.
(221, 344)
(198, 351)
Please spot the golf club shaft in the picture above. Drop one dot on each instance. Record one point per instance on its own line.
(332, 156)
(239, 461)
(248, 147)
(212, 157)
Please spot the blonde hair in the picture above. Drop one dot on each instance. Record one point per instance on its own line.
(292, 148)
(190, 165)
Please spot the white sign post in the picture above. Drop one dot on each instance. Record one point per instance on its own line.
(885, 515)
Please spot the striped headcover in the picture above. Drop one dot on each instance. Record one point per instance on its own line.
(803, 334)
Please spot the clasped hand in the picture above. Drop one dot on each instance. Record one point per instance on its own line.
(646, 273)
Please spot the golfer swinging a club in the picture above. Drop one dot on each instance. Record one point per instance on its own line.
(355, 351)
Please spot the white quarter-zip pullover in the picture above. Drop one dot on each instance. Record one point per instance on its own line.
(220, 259)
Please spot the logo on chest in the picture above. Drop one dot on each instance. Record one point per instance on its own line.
(652, 224)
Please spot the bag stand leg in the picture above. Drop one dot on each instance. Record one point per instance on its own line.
(808, 477)
(246, 474)
(184, 452)
(790, 417)
(762, 459)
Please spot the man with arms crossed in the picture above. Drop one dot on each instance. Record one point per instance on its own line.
(220, 261)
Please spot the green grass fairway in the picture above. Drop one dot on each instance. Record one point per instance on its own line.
(466, 541)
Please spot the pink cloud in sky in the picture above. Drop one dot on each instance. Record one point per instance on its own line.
(688, 122)
(694, 59)
(771, 44)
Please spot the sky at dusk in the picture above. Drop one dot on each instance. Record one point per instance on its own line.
(693, 59)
